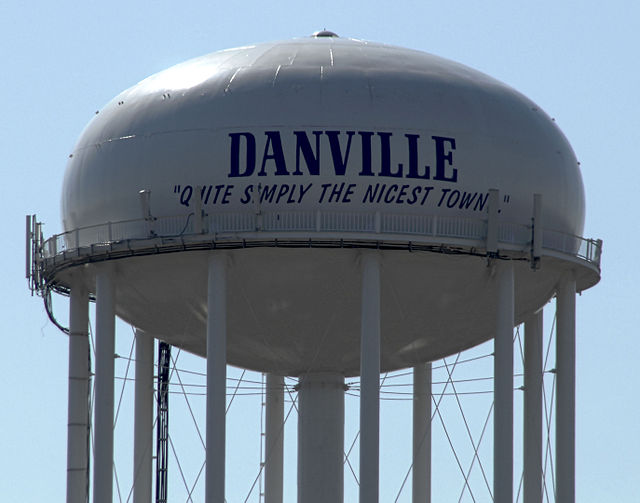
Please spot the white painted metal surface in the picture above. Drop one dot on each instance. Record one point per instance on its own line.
(321, 110)
(421, 475)
(566, 390)
(370, 379)
(216, 377)
(320, 141)
(143, 419)
(321, 438)
(274, 440)
(78, 400)
(503, 386)
(104, 385)
(532, 412)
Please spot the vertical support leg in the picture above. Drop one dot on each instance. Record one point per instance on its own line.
(143, 419)
(370, 379)
(274, 439)
(216, 377)
(503, 387)
(533, 381)
(321, 438)
(78, 411)
(566, 390)
(104, 386)
(422, 433)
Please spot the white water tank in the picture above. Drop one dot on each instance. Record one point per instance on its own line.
(294, 156)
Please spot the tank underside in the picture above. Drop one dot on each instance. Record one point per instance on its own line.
(295, 310)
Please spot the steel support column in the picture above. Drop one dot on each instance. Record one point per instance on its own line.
(78, 405)
(503, 386)
(422, 433)
(104, 386)
(274, 439)
(533, 382)
(216, 377)
(566, 390)
(370, 379)
(143, 419)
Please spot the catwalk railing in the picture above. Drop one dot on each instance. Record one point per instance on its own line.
(242, 225)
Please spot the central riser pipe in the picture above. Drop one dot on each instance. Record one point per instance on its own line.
(321, 438)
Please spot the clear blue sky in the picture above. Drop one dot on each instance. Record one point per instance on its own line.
(62, 61)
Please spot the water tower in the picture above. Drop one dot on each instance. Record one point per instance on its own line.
(321, 207)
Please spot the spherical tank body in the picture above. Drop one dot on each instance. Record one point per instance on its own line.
(301, 155)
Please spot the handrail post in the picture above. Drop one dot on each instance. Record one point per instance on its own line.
(536, 232)
(492, 222)
(599, 252)
(52, 246)
(197, 212)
